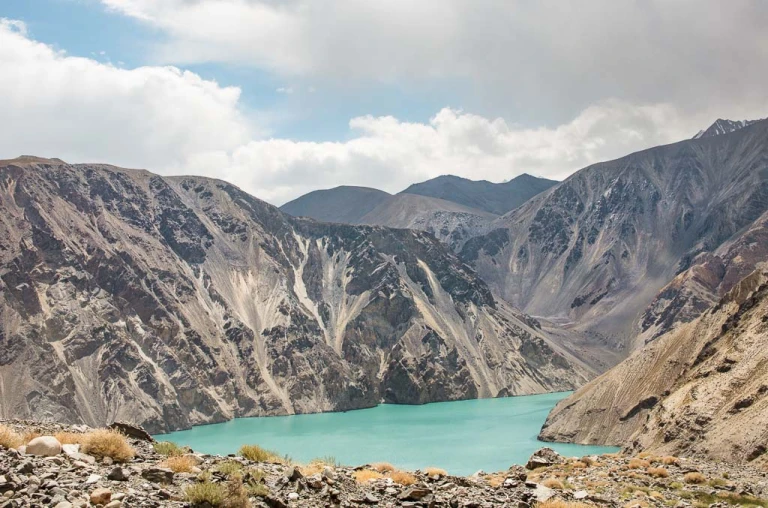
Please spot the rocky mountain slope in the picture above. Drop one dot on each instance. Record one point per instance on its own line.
(178, 301)
(345, 204)
(450, 222)
(496, 198)
(724, 127)
(595, 250)
(701, 389)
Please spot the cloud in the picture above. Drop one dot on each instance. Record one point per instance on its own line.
(83, 110)
(174, 122)
(544, 60)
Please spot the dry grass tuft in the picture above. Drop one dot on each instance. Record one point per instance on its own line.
(578, 464)
(107, 443)
(402, 477)
(9, 438)
(638, 464)
(230, 468)
(205, 492)
(558, 503)
(695, 478)
(179, 464)
(366, 475)
(496, 480)
(435, 471)
(168, 449)
(644, 455)
(256, 453)
(69, 437)
(670, 461)
(316, 466)
(658, 472)
(553, 483)
(383, 467)
(29, 435)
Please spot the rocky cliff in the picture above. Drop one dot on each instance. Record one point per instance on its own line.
(700, 389)
(177, 301)
(595, 250)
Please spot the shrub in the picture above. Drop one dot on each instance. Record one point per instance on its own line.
(236, 494)
(383, 467)
(179, 464)
(205, 492)
(256, 453)
(579, 464)
(69, 437)
(675, 485)
(107, 443)
(670, 461)
(366, 475)
(402, 477)
(658, 472)
(257, 489)
(230, 468)
(435, 471)
(168, 449)
(639, 464)
(496, 480)
(9, 438)
(695, 478)
(553, 483)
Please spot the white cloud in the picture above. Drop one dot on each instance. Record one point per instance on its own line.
(174, 122)
(545, 59)
(84, 110)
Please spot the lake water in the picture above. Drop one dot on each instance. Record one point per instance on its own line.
(460, 437)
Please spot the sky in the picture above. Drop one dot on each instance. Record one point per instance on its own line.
(281, 97)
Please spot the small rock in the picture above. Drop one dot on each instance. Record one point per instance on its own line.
(63, 504)
(114, 504)
(414, 494)
(101, 496)
(94, 478)
(158, 475)
(107, 461)
(118, 474)
(134, 431)
(26, 468)
(295, 475)
(69, 449)
(315, 481)
(44, 446)
(370, 499)
(293, 496)
(196, 458)
(580, 494)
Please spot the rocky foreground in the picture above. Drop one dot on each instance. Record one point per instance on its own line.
(44, 472)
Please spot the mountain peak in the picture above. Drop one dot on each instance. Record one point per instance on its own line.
(724, 126)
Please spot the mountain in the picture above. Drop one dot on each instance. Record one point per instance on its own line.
(345, 204)
(701, 389)
(496, 198)
(724, 127)
(450, 222)
(178, 301)
(594, 251)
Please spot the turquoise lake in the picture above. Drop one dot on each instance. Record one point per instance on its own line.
(460, 437)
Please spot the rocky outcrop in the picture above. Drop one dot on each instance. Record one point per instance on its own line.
(170, 302)
(700, 389)
(594, 251)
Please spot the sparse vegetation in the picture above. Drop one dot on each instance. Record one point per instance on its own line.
(317, 465)
(107, 443)
(168, 449)
(638, 464)
(205, 492)
(256, 453)
(670, 461)
(383, 467)
(658, 472)
(435, 471)
(69, 437)
(553, 483)
(694, 478)
(366, 475)
(180, 464)
(9, 438)
(230, 468)
(402, 477)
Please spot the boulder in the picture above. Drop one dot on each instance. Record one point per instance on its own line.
(134, 431)
(544, 457)
(45, 446)
(118, 474)
(414, 494)
(101, 496)
(158, 475)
